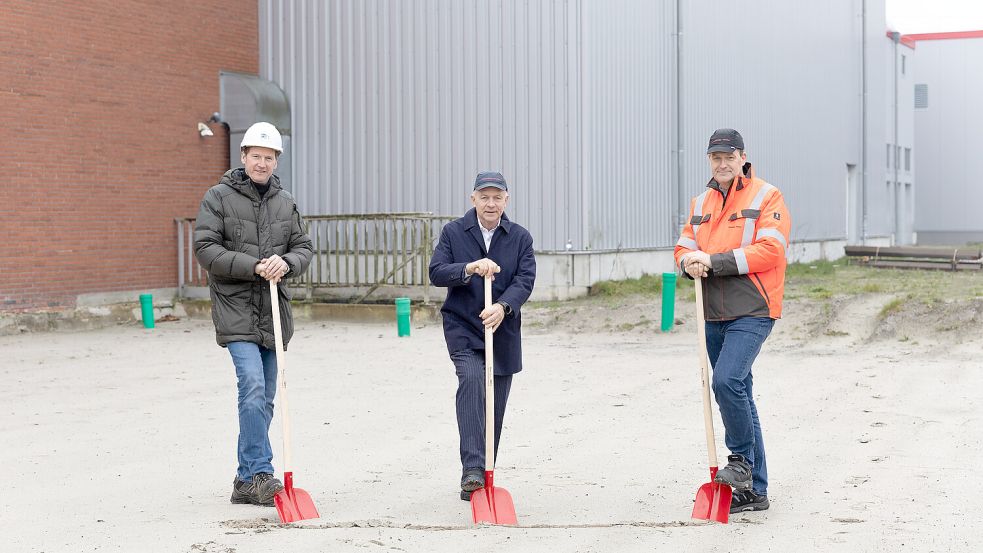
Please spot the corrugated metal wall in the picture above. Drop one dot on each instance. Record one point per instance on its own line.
(880, 95)
(397, 104)
(629, 89)
(787, 75)
(947, 140)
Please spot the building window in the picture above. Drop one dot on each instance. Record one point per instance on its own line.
(907, 159)
(888, 156)
(921, 96)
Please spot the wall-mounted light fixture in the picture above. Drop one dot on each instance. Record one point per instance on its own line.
(203, 130)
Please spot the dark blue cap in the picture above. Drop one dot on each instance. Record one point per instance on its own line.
(493, 179)
(725, 140)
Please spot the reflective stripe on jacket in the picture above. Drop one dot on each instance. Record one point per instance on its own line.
(746, 234)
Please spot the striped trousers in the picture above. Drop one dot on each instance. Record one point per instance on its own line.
(470, 368)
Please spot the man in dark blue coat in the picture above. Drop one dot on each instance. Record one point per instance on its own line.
(483, 243)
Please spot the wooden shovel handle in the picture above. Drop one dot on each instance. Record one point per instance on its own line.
(701, 333)
(281, 374)
(489, 384)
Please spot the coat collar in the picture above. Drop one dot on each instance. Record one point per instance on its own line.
(743, 181)
(237, 179)
(470, 221)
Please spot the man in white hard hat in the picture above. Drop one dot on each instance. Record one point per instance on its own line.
(249, 232)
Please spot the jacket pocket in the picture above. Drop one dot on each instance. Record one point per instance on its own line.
(232, 310)
(745, 214)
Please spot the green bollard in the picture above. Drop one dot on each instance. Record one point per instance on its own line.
(403, 316)
(147, 310)
(668, 300)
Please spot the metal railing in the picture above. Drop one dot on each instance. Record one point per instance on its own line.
(361, 252)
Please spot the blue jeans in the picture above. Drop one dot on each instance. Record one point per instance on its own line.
(732, 347)
(256, 373)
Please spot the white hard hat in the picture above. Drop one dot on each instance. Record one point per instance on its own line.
(263, 135)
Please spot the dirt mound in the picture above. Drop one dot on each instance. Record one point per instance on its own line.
(852, 319)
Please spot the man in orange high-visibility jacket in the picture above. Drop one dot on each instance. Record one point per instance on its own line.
(735, 240)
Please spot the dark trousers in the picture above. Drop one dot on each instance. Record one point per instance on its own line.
(732, 347)
(470, 368)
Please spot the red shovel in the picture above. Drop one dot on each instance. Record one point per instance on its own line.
(713, 498)
(490, 504)
(292, 504)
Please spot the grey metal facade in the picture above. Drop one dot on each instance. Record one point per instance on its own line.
(629, 60)
(596, 111)
(899, 141)
(947, 141)
(398, 104)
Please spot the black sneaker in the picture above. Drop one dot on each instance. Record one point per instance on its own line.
(266, 486)
(737, 473)
(748, 501)
(242, 492)
(473, 479)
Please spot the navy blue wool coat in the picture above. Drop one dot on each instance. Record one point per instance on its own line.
(511, 248)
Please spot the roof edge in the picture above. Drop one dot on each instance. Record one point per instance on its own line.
(902, 39)
(942, 36)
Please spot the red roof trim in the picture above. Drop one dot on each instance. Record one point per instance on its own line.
(904, 40)
(943, 36)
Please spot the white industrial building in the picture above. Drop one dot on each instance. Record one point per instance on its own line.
(598, 113)
(948, 102)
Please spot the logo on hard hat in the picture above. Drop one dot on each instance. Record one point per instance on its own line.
(264, 136)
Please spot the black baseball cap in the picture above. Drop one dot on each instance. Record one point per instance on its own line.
(492, 179)
(725, 140)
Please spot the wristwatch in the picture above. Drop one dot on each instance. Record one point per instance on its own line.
(506, 307)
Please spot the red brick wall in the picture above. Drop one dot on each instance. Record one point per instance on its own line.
(99, 153)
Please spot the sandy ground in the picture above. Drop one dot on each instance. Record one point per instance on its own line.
(123, 439)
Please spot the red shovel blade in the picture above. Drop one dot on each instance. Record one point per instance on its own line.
(713, 500)
(293, 504)
(492, 505)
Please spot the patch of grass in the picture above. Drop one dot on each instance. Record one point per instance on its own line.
(841, 279)
(814, 268)
(890, 307)
(832, 332)
(624, 327)
(820, 293)
(647, 285)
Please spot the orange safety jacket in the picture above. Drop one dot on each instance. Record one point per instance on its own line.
(746, 234)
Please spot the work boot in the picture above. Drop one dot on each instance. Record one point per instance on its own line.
(473, 479)
(748, 501)
(266, 486)
(242, 491)
(737, 473)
